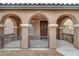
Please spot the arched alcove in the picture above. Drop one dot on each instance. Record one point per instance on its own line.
(9, 27)
(65, 29)
(10, 30)
(38, 31)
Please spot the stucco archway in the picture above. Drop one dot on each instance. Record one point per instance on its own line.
(61, 20)
(14, 18)
(39, 25)
(16, 26)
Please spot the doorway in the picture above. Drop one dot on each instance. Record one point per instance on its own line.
(43, 29)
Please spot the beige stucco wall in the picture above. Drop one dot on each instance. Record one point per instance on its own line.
(52, 15)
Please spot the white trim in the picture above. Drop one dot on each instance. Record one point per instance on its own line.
(52, 25)
(25, 25)
(2, 25)
(77, 25)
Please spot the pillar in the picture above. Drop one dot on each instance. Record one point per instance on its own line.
(76, 35)
(58, 33)
(61, 32)
(1, 35)
(24, 43)
(36, 27)
(52, 35)
(15, 33)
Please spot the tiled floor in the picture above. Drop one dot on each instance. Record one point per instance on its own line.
(67, 48)
(32, 44)
(63, 47)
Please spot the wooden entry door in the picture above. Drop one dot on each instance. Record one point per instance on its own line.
(43, 29)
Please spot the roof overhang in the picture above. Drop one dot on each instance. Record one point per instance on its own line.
(38, 6)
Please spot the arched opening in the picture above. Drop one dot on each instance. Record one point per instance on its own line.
(11, 31)
(65, 31)
(68, 31)
(9, 27)
(38, 31)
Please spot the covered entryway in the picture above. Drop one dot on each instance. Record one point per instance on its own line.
(38, 31)
(10, 31)
(66, 30)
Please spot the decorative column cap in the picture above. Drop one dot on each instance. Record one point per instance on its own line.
(2, 25)
(52, 25)
(77, 25)
(25, 25)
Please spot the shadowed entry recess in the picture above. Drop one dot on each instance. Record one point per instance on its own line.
(43, 29)
(38, 32)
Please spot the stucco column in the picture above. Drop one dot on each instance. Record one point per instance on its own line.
(24, 35)
(76, 35)
(1, 35)
(61, 32)
(15, 32)
(52, 35)
(36, 26)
